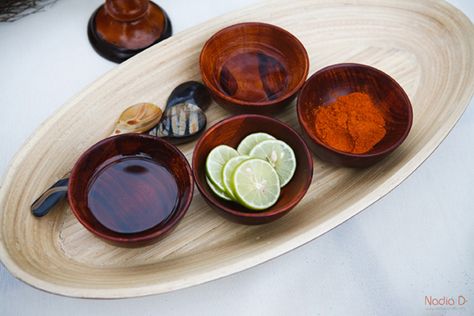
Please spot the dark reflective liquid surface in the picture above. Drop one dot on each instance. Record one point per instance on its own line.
(132, 194)
(253, 76)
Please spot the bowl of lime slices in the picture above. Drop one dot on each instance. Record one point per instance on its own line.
(252, 169)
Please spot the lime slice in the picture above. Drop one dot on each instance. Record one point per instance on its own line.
(228, 171)
(250, 141)
(217, 191)
(279, 155)
(215, 162)
(256, 184)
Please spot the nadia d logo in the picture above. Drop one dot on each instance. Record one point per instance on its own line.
(445, 301)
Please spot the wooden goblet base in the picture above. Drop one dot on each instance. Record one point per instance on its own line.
(117, 53)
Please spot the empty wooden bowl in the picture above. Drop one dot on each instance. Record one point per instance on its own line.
(230, 132)
(130, 189)
(329, 83)
(254, 67)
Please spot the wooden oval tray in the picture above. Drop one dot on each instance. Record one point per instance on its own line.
(427, 46)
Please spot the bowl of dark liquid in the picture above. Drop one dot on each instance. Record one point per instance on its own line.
(131, 189)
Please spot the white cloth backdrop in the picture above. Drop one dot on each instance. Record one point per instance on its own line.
(415, 242)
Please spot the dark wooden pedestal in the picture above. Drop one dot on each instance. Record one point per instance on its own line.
(120, 29)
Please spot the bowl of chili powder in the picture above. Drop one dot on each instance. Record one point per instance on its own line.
(353, 115)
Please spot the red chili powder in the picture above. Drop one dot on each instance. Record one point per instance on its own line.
(352, 124)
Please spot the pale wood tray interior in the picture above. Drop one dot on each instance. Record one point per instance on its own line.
(427, 46)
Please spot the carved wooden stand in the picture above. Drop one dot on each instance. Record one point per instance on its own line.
(120, 29)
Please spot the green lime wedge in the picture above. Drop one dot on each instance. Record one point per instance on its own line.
(217, 191)
(279, 155)
(215, 162)
(228, 171)
(256, 184)
(250, 141)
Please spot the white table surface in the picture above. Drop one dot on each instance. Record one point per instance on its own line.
(417, 241)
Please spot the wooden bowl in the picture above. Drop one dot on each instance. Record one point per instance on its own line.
(329, 83)
(254, 67)
(230, 132)
(139, 188)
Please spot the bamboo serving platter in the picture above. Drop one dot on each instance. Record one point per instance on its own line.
(427, 46)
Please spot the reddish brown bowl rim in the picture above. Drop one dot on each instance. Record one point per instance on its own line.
(310, 133)
(260, 214)
(130, 240)
(285, 96)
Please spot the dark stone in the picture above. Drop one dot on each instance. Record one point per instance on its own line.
(181, 123)
(190, 92)
(50, 198)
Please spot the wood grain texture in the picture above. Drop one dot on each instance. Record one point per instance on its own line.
(329, 83)
(120, 29)
(427, 46)
(230, 132)
(254, 67)
(145, 207)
